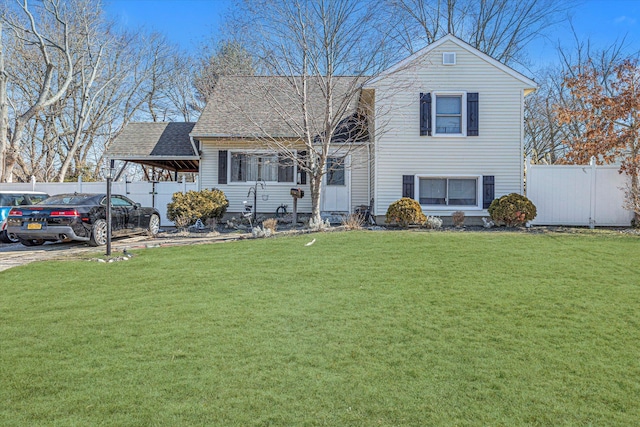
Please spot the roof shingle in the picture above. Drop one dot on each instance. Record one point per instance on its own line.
(263, 106)
(142, 140)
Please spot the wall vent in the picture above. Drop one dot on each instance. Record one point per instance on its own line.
(449, 58)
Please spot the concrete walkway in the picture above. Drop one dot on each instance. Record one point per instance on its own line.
(15, 254)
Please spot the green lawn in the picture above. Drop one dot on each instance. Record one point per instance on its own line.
(359, 329)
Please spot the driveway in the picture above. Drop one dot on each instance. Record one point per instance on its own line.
(15, 254)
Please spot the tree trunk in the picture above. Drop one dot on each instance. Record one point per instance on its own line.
(635, 197)
(315, 187)
(4, 115)
(12, 152)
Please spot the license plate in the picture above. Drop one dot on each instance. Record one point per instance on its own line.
(34, 226)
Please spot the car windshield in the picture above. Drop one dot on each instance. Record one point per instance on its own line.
(68, 199)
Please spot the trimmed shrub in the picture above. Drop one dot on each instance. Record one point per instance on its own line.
(512, 210)
(404, 212)
(195, 205)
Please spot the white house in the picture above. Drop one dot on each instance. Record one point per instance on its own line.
(446, 129)
(449, 123)
(252, 126)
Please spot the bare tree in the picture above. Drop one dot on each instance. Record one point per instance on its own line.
(545, 134)
(180, 93)
(4, 108)
(117, 77)
(55, 54)
(230, 58)
(499, 28)
(311, 45)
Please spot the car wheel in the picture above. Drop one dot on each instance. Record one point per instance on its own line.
(154, 225)
(98, 233)
(7, 238)
(31, 242)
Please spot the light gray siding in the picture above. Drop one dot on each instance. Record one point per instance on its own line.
(400, 150)
(275, 193)
(360, 185)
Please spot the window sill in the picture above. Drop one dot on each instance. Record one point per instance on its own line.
(449, 135)
(450, 208)
(267, 183)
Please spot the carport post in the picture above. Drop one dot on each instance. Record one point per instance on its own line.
(109, 178)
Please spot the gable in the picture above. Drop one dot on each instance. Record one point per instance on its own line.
(469, 62)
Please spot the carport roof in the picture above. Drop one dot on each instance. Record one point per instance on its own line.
(166, 145)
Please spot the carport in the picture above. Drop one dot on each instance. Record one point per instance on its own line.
(162, 145)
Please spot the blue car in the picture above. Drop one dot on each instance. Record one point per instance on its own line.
(11, 199)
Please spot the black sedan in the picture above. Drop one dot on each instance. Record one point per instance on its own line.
(80, 217)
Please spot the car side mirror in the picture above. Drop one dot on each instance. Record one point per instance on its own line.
(137, 205)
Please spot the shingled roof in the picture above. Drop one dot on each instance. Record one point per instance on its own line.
(259, 106)
(162, 144)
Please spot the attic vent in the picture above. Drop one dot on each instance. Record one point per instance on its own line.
(449, 58)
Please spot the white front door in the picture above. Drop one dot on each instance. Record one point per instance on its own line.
(335, 193)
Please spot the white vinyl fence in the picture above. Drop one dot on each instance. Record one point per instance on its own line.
(156, 194)
(569, 195)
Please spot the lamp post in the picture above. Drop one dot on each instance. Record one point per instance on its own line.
(109, 179)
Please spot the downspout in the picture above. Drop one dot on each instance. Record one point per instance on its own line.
(193, 145)
(197, 153)
(369, 175)
(521, 142)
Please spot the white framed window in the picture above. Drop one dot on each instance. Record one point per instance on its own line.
(448, 58)
(450, 113)
(335, 171)
(250, 166)
(449, 191)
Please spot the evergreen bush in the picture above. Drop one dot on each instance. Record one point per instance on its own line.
(404, 212)
(195, 205)
(512, 210)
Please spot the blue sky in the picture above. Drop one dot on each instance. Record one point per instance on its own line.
(189, 22)
(602, 21)
(186, 22)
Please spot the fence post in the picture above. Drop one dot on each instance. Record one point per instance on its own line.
(33, 183)
(527, 169)
(80, 184)
(592, 194)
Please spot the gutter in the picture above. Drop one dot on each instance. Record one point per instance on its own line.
(193, 145)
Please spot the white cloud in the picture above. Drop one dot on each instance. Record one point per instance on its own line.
(625, 20)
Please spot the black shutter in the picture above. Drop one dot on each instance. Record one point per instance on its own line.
(408, 186)
(425, 114)
(302, 156)
(222, 166)
(472, 114)
(488, 191)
